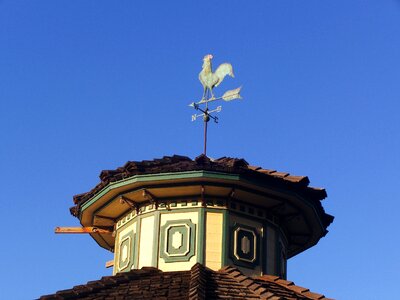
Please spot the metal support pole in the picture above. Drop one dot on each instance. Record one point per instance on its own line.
(205, 137)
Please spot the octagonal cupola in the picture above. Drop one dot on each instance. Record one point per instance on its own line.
(173, 212)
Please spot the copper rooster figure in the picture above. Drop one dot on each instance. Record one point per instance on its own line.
(208, 79)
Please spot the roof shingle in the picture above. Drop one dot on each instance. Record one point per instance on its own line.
(199, 283)
(178, 163)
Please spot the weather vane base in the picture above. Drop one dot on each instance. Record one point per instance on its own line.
(209, 80)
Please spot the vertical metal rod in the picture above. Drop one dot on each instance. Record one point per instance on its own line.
(205, 137)
(206, 119)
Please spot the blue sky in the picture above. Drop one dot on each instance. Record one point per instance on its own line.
(89, 85)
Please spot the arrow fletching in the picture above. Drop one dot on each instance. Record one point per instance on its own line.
(232, 94)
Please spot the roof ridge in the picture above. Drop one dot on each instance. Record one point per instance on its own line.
(198, 283)
(198, 280)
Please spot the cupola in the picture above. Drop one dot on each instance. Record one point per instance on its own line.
(174, 212)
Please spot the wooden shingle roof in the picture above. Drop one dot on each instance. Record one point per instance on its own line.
(177, 163)
(196, 284)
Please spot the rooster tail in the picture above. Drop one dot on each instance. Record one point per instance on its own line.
(223, 70)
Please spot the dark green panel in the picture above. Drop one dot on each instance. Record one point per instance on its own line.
(245, 246)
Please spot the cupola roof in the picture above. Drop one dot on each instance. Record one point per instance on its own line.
(292, 204)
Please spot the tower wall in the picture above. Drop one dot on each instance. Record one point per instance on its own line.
(177, 234)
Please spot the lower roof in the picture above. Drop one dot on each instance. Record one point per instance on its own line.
(196, 284)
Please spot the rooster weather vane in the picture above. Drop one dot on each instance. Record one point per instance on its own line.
(210, 80)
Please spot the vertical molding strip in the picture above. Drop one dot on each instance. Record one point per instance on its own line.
(201, 236)
(137, 241)
(156, 239)
(225, 238)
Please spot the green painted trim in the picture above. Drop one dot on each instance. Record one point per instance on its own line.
(216, 175)
(278, 257)
(158, 177)
(257, 243)
(127, 224)
(134, 234)
(264, 249)
(137, 236)
(121, 265)
(131, 235)
(250, 217)
(191, 244)
(116, 254)
(225, 238)
(201, 236)
(156, 239)
(180, 210)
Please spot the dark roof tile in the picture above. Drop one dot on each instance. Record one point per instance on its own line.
(288, 288)
(179, 163)
(197, 284)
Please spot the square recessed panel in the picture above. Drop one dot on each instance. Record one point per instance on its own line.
(245, 246)
(177, 240)
(126, 251)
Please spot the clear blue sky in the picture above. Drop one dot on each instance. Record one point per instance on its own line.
(89, 85)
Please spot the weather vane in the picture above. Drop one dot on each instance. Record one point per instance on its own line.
(210, 80)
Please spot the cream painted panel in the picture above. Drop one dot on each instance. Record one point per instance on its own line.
(146, 242)
(120, 234)
(194, 216)
(185, 265)
(176, 266)
(213, 240)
